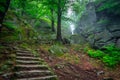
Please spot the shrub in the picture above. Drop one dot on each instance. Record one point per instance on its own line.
(110, 55)
(95, 53)
(110, 61)
(113, 51)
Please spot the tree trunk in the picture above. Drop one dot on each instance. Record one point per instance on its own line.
(59, 37)
(52, 20)
(0, 27)
(2, 14)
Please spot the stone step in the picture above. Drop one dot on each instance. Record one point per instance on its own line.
(24, 54)
(31, 67)
(28, 62)
(32, 73)
(23, 51)
(53, 77)
(26, 58)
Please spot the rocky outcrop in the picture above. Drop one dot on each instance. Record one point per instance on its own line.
(99, 28)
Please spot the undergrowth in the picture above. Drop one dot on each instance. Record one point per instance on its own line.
(110, 55)
(72, 58)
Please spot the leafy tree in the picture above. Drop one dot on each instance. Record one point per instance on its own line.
(58, 7)
(19, 6)
(51, 6)
(62, 6)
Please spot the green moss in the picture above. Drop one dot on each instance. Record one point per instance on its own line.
(43, 23)
(57, 50)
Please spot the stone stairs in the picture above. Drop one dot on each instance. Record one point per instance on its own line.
(29, 67)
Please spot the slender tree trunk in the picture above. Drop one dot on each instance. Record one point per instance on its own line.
(59, 37)
(2, 14)
(52, 20)
(0, 27)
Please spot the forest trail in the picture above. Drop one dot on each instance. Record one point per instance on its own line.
(29, 67)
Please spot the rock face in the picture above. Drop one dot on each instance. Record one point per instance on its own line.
(99, 28)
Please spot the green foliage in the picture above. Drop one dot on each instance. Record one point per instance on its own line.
(79, 7)
(10, 38)
(10, 34)
(43, 26)
(95, 53)
(46, 20)
(112, 51)
(2, 8)
(110, 55)
(10, 26)
(24, 45)
(111, 5)
(111, 48)
(13, 32)
(110, 61)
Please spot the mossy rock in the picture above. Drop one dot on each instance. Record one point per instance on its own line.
(58, 50)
